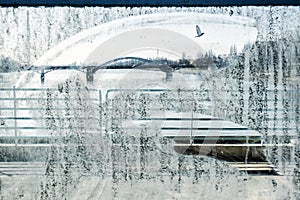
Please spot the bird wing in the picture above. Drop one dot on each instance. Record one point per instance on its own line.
(198, 30)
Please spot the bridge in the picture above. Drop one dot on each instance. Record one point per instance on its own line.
(164, 65)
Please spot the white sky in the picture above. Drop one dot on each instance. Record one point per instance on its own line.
(220, 32)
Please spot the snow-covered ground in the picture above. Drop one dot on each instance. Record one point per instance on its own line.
(95, 187)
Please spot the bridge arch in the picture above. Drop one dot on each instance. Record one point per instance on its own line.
(108, 63)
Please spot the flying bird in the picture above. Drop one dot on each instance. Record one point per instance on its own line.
(199, 33)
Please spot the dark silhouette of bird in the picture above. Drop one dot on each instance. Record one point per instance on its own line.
(199, 33)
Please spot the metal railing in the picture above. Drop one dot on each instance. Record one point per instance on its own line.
(26, 110)
(207, 102)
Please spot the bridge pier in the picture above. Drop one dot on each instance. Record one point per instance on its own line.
(169, 75)
(42, 76)
(90, 76)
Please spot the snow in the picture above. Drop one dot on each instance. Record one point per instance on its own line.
(135, 165)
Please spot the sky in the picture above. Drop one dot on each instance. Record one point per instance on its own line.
(141, 36)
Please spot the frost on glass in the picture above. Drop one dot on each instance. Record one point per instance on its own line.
(63, 136)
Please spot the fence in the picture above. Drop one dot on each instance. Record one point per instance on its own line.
(32, 120)
(26, 113)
